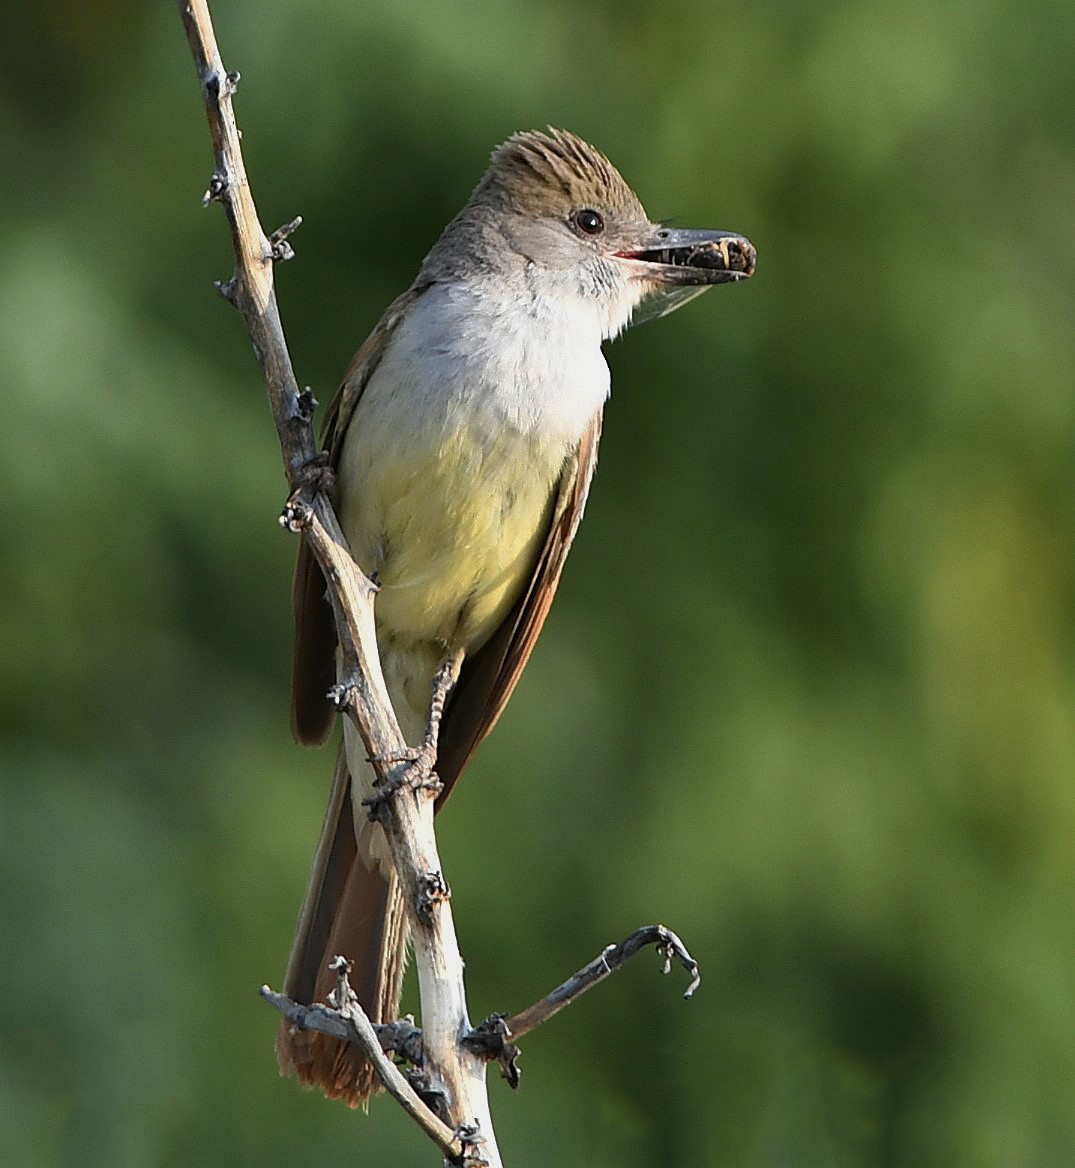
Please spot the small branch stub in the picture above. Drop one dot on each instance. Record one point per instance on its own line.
(490, 1039)
(469, 1135)
(432, 890)
(216, 190)
(280, 248)
(305, 405)
(343, 697)
(226, 289)
(403, 1039)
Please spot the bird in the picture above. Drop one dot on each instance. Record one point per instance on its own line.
(464, 439)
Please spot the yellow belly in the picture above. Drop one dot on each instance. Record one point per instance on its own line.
(450, 529)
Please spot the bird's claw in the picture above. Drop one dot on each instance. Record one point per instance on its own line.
(417, 774)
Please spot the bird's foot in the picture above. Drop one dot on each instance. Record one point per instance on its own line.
(314, 476)
(418, 774)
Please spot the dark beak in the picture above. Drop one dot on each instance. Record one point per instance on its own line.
(676, 257)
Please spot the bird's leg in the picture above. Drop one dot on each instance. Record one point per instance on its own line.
(421, 761)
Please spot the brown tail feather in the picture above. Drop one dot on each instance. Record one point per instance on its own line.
(353, 910)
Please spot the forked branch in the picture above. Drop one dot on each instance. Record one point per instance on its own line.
(344, 1018)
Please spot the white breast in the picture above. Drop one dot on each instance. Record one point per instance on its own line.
(472, 355)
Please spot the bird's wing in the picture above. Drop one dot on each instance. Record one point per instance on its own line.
(313, 669)
(488, 678)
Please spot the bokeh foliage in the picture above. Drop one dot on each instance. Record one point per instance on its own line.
(808, 691)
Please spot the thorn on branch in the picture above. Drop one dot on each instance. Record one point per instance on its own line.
(228, 290)
(490, 1040)
(218, 87)
(296, 516)
(432, 890)
(342, 998)
(469, 1135)
(313, 477)
(216, 190)
(305, 405)
(342, 697)
(279, 248)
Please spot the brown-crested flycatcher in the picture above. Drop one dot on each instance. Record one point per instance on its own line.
(464, 437)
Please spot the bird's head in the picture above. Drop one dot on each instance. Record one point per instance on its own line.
(557, 204)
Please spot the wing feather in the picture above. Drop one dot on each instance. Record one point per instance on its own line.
(313, 666)
(489, 677)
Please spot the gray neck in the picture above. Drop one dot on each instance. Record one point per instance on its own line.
(532, 262)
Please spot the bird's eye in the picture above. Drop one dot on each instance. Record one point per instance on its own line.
(588, 221)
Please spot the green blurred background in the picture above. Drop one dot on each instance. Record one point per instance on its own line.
(807, 695)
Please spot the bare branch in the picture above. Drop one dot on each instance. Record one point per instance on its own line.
(407, 817)
(251, 287)
(611, 958)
